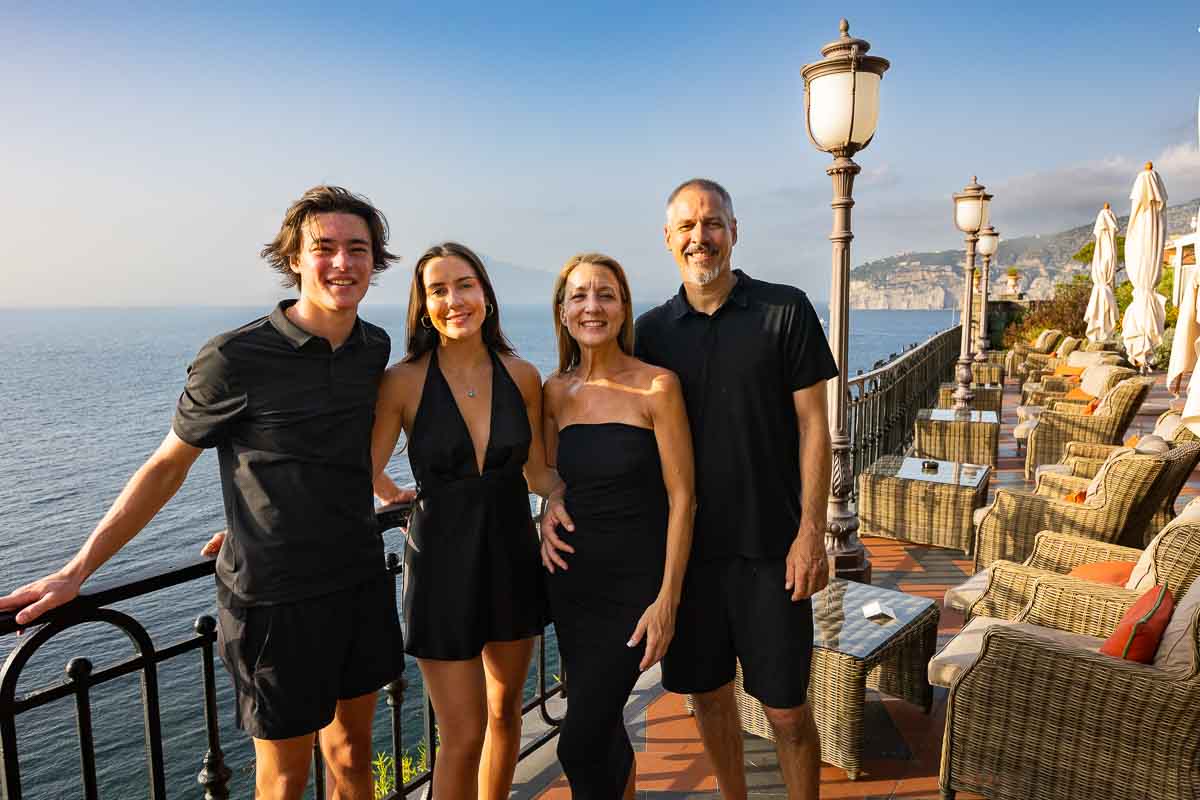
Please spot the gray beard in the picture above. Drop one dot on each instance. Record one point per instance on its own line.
(705, 278)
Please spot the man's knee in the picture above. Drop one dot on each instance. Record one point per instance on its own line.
(793, 725)
(348, 756)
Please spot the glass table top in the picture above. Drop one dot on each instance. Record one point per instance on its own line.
(839, 623)
(945, 472)
(950, 415)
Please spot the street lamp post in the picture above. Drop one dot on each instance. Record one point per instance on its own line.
(841, 112)
(970, 215)
(989, 240)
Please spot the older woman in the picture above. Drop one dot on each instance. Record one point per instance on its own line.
(617, 429)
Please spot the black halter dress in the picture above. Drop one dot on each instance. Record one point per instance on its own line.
(617, 500)
(472, 570)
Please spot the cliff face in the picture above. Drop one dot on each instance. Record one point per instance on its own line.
(935, 279)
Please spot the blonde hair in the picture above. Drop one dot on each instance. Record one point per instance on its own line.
(568, 348)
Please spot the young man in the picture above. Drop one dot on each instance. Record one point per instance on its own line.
(753, 362)
(307, 615)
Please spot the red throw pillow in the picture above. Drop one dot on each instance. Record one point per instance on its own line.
(1115, 572)
(1077, 497)
(1092, 406)
(1137, 634)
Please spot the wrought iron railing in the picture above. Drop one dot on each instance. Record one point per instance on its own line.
(93, 606)
(882, 404)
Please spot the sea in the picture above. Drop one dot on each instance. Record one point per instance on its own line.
(86, 395)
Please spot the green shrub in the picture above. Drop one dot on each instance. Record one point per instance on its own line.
(383, 769)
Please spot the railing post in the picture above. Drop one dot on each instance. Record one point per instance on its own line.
(395, 700)
(78, 672)
(214, 775)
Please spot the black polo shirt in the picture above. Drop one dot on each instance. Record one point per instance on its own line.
(291, 420)
(739, 367)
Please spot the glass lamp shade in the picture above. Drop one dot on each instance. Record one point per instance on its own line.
(989, 240)
(843, 109)
(970, 213)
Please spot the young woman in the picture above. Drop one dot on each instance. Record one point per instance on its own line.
(617, 429)
(473, 589)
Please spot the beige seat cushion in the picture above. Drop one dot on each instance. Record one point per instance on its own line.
(1055, 469)
(961, 651)
(960, 598)
(978, 514)
(1152, 445)
(1022, 430)
(1177, 646)
(1089, 358)
(1168, 426)
(1094, 379)
(1144, 576)
(1029, 412)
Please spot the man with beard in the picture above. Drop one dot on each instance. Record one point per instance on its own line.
(753, 361)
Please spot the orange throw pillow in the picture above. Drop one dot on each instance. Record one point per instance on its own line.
(1132, 441)
(1079, 394)
(1091, 406)
(1064, 371)
(1077, 497)
(1137, 634)
(1114, 572)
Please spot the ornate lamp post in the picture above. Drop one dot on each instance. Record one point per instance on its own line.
(989, 240)
(841, 111)
(970, 215)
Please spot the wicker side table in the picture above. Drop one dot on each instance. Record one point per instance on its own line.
(988, 397)
(899, 499)
(987, 372)
(851, 653)
(971, 437)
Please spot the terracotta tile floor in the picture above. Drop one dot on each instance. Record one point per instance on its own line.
(903, 745)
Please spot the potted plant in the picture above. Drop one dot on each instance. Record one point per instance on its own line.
(1013, 284)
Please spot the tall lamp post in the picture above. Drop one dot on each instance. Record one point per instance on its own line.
(989, 240)
(970, 215)
(841, 112)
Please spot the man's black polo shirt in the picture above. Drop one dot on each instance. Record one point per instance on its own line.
(739, 368)
(291, 420)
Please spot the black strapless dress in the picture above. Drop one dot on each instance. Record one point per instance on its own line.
(472, 569)
(617, 500)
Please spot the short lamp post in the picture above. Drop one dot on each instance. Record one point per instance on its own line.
(841, 111)
(970, 215)
(989, 240)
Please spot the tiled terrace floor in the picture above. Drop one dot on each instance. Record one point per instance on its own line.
(903, 745)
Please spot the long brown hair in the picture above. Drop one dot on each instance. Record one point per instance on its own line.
(285, 247)
(421, 339)
(568, 348)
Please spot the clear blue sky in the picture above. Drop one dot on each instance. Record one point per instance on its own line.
(150, 151)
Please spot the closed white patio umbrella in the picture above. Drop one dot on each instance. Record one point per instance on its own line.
(1142, 327)
(1101, 315)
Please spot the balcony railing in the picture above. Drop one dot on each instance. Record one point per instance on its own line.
(92, 606)
(882, 404)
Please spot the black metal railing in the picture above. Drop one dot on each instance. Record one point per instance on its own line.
(882, 405)
(92, 606)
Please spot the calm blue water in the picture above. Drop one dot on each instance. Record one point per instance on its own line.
(85, 397)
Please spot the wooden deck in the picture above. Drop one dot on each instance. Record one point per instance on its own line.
(903, 745)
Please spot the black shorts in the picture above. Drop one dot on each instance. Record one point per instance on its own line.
(736, 609)
(292, 662)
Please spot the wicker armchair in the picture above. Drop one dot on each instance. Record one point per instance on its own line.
(1096, 380)
(1008, 528)
(1044, 343)
(1005, 588)
(1065, 422)
(1035, 713)
(1046, 381)
(1038, 361)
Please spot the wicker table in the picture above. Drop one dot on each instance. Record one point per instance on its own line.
(988, 396)
(850, 653)
(987, 372)
(899, 499)
(972, 437)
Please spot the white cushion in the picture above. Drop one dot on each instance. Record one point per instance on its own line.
(960, 598)
(1168, 426)
(1087, 358)
(1094, 379)
(1152, 445)
(961, 651)
(979, 513)
(1144, 575)
(1176, 646)
(1052, 469)
(1022, 429)
(1029, 412)
(1113, 457)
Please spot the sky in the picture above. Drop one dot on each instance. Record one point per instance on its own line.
(149, 150)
